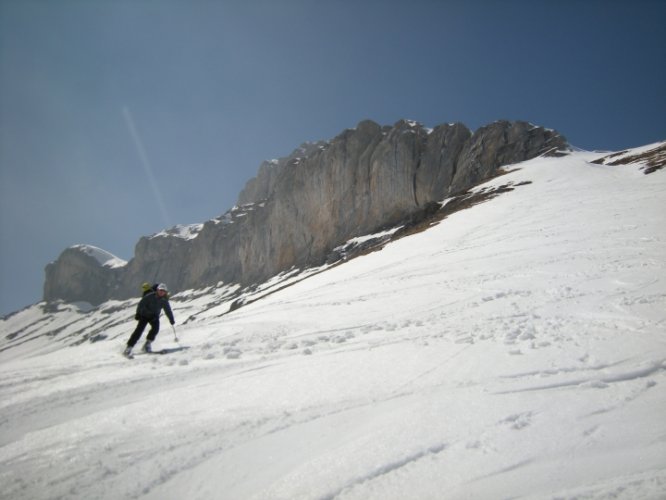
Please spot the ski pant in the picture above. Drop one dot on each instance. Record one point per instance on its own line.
(141, 326)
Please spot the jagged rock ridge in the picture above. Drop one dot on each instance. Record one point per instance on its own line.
(299, 208)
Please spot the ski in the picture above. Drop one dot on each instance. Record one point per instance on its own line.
(160, 352)
(168, 350)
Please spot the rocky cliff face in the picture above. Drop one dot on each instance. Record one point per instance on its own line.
(83, 273)
(502, 143)
(300, 207)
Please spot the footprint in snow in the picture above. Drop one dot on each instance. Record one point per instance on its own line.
(518, 421)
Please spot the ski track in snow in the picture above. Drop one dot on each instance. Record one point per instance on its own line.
(514, 350)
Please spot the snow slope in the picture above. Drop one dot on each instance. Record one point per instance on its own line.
(515, 350)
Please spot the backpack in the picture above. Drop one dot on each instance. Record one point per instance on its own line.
(146, 288)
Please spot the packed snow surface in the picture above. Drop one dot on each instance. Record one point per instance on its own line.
(515, 350)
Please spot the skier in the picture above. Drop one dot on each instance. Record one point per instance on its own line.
(148, 312)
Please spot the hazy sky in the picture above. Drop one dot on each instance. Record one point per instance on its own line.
(119, 118)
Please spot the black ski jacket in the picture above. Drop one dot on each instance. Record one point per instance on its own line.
(151, 305)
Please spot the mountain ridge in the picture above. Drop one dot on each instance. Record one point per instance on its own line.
(298, 209)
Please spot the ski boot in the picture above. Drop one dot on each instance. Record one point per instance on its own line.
(128, 352)
(147, 348)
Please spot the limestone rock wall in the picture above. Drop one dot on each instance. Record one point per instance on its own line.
(78, 277)
(300, 207)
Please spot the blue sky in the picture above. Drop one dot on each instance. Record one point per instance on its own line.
(118, 118)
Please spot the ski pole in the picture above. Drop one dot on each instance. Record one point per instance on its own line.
(174, 333)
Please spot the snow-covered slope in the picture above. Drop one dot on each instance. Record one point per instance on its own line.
(516, 349)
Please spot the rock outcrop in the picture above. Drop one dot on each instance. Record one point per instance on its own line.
(299, 208)
(499, 144)
(83, 273)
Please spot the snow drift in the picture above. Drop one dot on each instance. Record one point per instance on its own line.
(514, 349)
